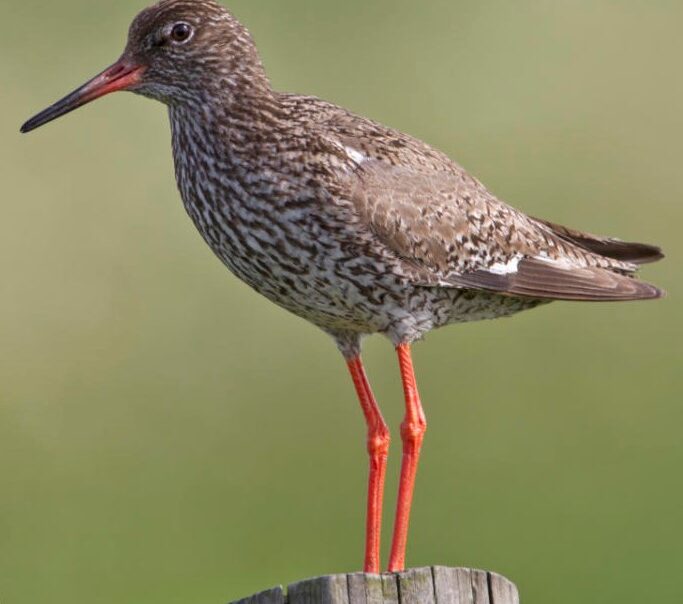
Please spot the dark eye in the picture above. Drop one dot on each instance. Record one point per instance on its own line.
(181, 32)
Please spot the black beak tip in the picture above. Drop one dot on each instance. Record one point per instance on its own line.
(30, 125)
(36, 122)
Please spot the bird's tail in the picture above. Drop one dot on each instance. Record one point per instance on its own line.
(624, 251)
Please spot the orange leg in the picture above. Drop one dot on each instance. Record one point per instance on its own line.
(378, 448)
(413, 429)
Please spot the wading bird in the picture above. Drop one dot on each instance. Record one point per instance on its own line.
(356, 227)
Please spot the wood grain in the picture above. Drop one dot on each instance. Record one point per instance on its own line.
(430, 585)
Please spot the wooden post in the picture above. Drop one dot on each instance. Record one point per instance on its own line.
(435, 585)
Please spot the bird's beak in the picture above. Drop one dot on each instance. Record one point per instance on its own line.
(122, 75)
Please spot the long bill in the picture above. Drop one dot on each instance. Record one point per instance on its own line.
(120, 76)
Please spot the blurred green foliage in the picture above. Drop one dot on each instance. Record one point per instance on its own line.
(168, 436)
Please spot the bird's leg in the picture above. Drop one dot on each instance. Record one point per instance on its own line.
(413, 429)
(378, 448)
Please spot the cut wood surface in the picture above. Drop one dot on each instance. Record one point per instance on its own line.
(433, 585)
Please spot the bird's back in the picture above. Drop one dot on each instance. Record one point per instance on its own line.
(439, 220)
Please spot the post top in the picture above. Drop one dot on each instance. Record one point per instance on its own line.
(430, 585)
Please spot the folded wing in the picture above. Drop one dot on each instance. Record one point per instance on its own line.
(454, 233)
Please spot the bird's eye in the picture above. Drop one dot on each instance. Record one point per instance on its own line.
(181, 32)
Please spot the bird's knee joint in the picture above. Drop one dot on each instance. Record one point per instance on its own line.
(378, 442)
(413, 430)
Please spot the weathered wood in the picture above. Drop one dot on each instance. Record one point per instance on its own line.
(323, 590)
(367, 589)
(480, 587)
(390, 588)
(272, 596)
(416, 586)
(435, 585)
(501, 590)
(453, 585)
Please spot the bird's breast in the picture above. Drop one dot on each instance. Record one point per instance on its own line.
(271, 233)
(280, 229)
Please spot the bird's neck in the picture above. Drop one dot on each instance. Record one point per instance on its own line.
(232, 115)
(229, 146)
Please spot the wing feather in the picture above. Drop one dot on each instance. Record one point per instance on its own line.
(459, 235)
(540, 279)
(445, 229)
(626, 251)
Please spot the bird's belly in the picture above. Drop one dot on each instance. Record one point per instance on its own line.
(296, 271)
(366, 298)
(318, 278)
(311, 290)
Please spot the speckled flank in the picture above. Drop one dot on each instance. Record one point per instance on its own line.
(356, 227)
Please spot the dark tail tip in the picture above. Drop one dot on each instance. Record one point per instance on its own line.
(638, 253)
(647, 291)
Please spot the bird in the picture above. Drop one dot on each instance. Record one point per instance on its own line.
(354, 226)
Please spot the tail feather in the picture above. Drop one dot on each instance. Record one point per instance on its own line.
(624, 251)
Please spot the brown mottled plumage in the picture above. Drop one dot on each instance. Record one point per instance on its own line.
(356, 227)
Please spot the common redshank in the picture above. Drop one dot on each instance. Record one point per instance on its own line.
(351, 225)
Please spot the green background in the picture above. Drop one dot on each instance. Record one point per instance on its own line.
(168, 436)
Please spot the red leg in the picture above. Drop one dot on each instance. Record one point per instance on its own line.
(378, 448)
(413, 429)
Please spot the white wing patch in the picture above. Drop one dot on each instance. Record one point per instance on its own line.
(512, 265)
(506, 268)
(559, 262)
(355, 156)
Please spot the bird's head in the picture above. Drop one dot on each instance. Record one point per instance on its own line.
(178, 51)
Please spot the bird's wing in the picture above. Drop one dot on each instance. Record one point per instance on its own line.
(444, 228)
(449, 227)
(626, 251)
